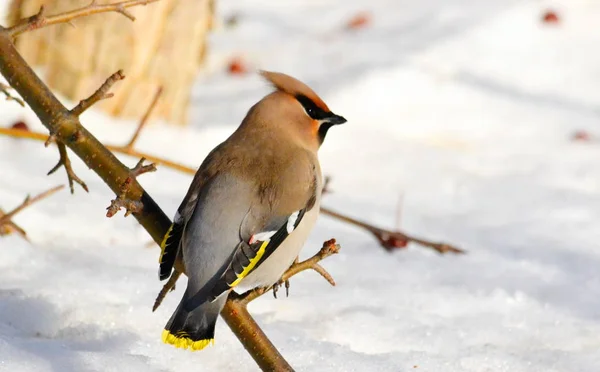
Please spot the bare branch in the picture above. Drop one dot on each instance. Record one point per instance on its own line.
(100, 94)
(38, 136)
(9, 97)
(7, 218)
(51, 139)
(169, 286)
(41, 20)
(65, 162)
(144, 120)
(140, 168)
(122, 201)
(329, 248)
(11, 227)
(392, 239)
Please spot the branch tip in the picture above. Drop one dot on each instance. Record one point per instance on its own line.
(9, 97)
(391, 240)
(100, 94)
(6, 219)
(329, 248)
(65, 162)
(169, 286)
(122, 201)
(40, 20)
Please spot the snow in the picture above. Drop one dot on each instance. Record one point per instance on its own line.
(463, 110)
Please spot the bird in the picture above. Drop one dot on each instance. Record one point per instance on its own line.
(249, 209)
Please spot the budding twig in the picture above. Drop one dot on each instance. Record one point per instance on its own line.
(169, 286)
(329, 248)
(65, 162)
(100, 94)
(40, 20)
(122, 201)
(9, 97)
(7, 218)
(392, 239)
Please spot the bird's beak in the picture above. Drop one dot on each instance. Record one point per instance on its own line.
(335, 119)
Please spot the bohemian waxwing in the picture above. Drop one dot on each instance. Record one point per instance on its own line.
(249, 209)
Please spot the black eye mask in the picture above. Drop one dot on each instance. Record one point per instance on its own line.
(312, 110)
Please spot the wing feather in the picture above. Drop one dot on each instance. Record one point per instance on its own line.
(249, 256)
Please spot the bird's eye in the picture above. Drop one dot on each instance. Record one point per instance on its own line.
(309, 107)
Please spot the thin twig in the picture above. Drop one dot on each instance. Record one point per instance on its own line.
(392, 239)
(100, 94)
(169, 286)
(144, 120)
(122, 201)
(11, 227)
(65, 162)
(9, 97)
(329, 247)
(40, 20)
(38, 136)
(7, 218)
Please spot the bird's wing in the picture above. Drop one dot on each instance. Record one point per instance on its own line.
(277, 210)
(171, 242)
(250, 254)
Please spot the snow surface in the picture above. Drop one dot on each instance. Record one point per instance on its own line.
(463, 109)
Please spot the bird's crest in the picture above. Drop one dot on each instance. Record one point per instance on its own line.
(293, 87)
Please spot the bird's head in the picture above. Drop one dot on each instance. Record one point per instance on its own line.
(295, 108)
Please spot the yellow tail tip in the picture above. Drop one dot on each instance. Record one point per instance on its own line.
(185, 342)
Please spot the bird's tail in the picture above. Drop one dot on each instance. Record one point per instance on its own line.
(193, 329)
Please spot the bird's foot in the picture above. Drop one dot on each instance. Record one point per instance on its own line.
(278, 284)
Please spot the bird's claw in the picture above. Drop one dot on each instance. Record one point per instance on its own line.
(278, 284)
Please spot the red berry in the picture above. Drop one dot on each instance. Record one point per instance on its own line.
(237, 67)
(359, 20)
(550, 17)
(20, 125)
(581, 136)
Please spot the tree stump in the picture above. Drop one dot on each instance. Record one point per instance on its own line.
(165, 46)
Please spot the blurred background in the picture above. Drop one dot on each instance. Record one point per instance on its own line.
(474, 123)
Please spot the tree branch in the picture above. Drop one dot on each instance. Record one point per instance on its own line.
(40, 20)
(329, 248)
(121, 201)
(100, 94)
(7, 218)
(11, 227)
(392, 239)
(65, 162)
(38, 136)
(9, 97)
(65, 126)
(169, 286)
